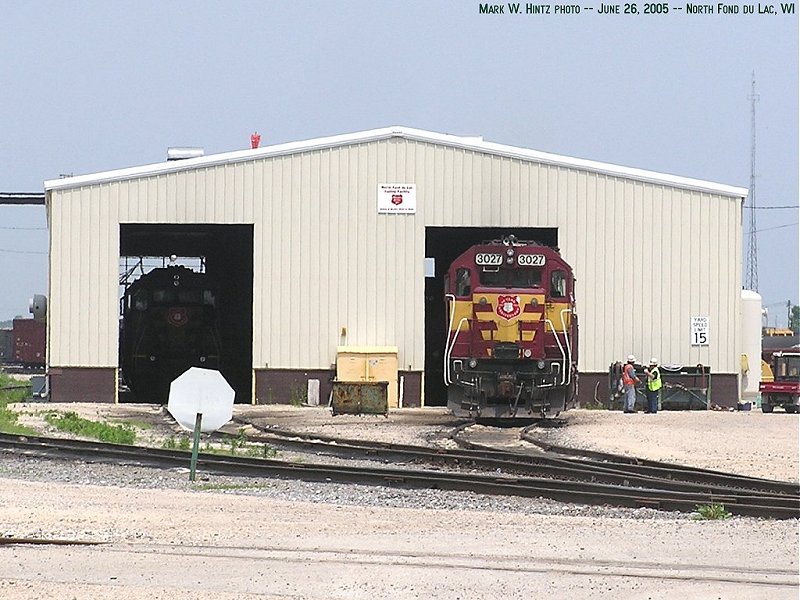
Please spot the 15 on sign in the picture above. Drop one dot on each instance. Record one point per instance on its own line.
(700, 331)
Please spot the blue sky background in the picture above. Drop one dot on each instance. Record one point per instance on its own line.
(93, 86)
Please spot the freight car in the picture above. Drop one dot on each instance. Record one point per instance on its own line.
(23, 346)
(6, 345)
(512, 340)
(169, 324)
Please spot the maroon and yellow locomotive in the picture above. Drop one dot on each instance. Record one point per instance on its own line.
(511, 348)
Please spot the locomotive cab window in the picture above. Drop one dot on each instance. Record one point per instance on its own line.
(558, 284)
(463, 283)
(525, 277)
(163, 296)
(189, 296)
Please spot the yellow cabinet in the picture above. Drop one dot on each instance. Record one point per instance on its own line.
(369, 363)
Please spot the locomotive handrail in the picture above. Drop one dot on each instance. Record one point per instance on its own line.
(449, 350)
(452, 303)
(448, 345)
(569, 348)
(560, 347)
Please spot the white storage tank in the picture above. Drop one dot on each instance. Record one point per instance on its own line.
(751, 347)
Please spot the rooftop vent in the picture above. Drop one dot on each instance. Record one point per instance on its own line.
(181, 153)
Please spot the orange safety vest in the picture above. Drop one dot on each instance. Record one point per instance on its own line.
(628, 374)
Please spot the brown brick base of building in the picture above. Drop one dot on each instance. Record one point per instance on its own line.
(290, 386)
(82, 384)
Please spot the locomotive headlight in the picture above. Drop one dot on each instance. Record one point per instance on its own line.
(527, 353)
(473, 363)
(152, 358)
(510, 252)
(534, 302)
(510, 260)
(540, 364)
(202, 359)
(482, 301)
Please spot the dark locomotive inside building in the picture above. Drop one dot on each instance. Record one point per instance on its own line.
(186, 300)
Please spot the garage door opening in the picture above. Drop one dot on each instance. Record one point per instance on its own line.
(444, 245)
(186, 299)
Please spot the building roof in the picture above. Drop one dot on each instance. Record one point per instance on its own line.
(476, 144)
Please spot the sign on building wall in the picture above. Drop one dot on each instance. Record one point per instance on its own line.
(397, 198)
(699, 331)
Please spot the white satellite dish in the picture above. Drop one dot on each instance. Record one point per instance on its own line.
(203, 391)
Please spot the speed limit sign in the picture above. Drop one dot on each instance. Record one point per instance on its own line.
(699, 331)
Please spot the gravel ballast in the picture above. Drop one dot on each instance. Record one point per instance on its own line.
(165, 537)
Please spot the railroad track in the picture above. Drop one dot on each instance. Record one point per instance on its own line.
(471, 454)
(625, 473)
(606, 461)
(741, 502)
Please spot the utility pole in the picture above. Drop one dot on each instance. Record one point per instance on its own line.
(751, 276)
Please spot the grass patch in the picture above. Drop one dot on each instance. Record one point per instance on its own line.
(231, 445)
(239, 444)
(711, 512)
(8, 418)
(72, 423)
(231, 486)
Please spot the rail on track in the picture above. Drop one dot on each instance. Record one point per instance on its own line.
(744, 502)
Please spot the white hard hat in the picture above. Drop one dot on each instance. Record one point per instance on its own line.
(631, 358)
(653, 361)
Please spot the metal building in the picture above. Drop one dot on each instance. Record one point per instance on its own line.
(318, 256)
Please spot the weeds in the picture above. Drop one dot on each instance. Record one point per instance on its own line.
(181, 443)
(711, 512)
(231, 486)
(8, 418)
(298, 395)
(72, 423)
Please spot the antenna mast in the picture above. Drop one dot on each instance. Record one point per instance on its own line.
(751, 277)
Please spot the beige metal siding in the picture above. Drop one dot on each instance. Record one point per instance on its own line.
(82, 328)
(647, 256)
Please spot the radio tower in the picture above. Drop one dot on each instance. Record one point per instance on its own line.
(751, 277)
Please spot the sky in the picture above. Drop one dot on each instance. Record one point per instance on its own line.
(94, 86)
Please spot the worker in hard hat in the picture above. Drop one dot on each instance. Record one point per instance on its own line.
(653, 385)
(629, 382)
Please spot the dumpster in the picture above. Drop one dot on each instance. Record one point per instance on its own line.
(370, 364)
(360, 398)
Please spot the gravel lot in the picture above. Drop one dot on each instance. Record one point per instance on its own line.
(747, 443)
(165, 537)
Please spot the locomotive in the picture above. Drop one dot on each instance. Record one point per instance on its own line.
(169, 324)
(512, 338)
